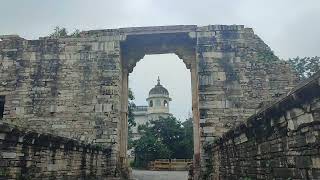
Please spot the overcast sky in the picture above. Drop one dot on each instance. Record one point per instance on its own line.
(290, 27)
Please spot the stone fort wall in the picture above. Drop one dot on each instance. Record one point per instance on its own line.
(72, 87)
(27, 154)
(69, 87)
(238, 75)
(279, 142)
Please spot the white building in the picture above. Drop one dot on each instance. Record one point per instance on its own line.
(158, 105)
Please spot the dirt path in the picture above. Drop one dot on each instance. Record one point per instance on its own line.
(160, 175)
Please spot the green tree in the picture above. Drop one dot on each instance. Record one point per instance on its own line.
(186, 145)
(75, 33)
(170, 131)
(306, 66)
(131, 106)
(59, 32)
(149, 148)
(164, 138)
(131, 121)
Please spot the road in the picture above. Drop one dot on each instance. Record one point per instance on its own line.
(160, 175)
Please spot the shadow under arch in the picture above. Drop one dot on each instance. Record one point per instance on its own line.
(135, 47)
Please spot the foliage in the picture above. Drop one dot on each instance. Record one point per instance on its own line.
(131, 121)
(164, 138)
(75, 33)
(187, 142)
(306, 66)
(266, 56)
(148, 148)
(131, 107)
(60, 32)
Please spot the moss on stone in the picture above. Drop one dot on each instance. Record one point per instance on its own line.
(266, 56)
(231, 74)
(4, 172)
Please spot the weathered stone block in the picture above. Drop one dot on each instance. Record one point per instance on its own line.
(98, 108)
(2, 136)
(315, 162)
(8, 155)
(303, 119)
(241, 139)
(59, 126)
(303, 161)
(107, 107)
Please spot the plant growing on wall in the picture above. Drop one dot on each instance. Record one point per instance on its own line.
(131, 106)
(305, 66)
(59, 32)
(266, 56)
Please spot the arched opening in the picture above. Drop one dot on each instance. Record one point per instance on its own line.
(133, 48)
(174, 76)
(165, 103)
(176, 79)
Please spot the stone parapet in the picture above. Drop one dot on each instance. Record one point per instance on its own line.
(280, 141)
(27, 154)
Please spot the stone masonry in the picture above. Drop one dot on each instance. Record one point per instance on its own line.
(281, 141)
(29, 155)
(238, 75)
(69, 87)
(77, 87)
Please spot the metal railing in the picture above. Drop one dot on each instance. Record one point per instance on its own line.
(170, 164)
(140, 108)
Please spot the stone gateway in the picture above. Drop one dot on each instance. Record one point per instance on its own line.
(77, 87)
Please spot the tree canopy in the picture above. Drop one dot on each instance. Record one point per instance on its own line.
(131, 121)
(63, 32)
(164, 138)
(306, 66)
(131, 106)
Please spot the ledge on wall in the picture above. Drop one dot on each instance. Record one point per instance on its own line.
(17, 134)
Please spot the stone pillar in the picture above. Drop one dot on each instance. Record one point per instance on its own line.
(124, 119)
(196, 118)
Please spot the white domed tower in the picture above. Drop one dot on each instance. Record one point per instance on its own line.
(158, 102)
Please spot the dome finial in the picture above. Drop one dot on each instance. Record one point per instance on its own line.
(158, 89)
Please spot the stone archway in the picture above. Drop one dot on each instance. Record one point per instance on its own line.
(134, 48)
(78, 87)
